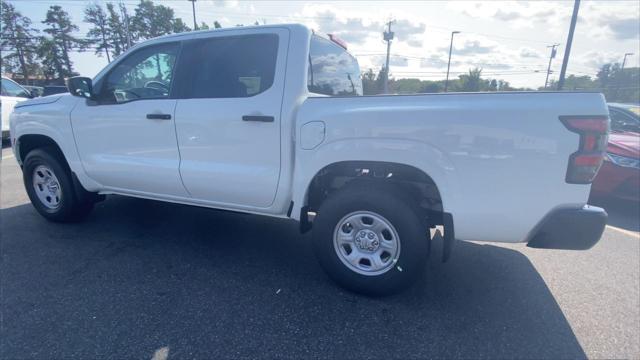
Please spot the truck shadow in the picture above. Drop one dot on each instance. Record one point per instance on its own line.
(139, 275)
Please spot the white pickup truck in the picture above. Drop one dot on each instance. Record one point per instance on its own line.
(271, 120)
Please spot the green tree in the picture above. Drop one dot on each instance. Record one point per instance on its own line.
(203, 26)
(61, 29)
(405, 86)
(179, 26)
(432, 87)
(152, 20)
(216, 25)
(18, 42)
(471, 81)
(99, 34)
(369, 83)
(116, 23)
(617, 84)
(573, 82)
(51, 60)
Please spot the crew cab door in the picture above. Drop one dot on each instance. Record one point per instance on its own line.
(126, 138)
(230, 90)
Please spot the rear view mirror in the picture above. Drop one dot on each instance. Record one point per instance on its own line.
(80, 86)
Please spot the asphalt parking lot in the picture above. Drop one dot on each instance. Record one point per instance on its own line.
(140, 277)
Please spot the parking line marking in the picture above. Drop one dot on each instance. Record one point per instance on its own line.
(626, 232)
(7, 156)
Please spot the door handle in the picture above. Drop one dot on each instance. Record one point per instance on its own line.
(259, 118)
(159, 116)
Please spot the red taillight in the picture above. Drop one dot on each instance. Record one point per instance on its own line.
(338, 41)
(585, 163)
(586, 124)
(590, 142)
(588, 160)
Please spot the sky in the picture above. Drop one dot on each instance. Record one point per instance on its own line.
(508, 39)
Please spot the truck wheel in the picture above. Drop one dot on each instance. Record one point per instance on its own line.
(371, 239)
(50, 188)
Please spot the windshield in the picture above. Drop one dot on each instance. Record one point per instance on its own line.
(624, 119)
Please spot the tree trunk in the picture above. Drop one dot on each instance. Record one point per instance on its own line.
(104, 43)
(23, 65)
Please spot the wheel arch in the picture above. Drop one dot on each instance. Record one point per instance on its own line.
(332, 177)
(28, 142)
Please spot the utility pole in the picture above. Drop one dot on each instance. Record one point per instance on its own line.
(446, 82)
(193, 8)
(387, 36)
(553, 55)
(624, 61)
(567, 50)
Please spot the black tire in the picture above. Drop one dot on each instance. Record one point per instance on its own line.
(72, 206)
(398, 209)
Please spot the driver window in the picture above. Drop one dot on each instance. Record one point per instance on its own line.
(145, 74)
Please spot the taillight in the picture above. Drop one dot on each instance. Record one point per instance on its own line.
(338, 41)
(585, 163)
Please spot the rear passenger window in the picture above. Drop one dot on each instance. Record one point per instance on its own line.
(332, 70)
(228, 67)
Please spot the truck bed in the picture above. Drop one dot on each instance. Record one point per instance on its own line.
(486, 152)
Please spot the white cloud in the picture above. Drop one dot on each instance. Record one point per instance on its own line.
(436, 61)
(622, 28)
(595, 59)
(409, 32)
(394, 60)
(472, 47)
(517, 13)
(226, 3)
(527, 52)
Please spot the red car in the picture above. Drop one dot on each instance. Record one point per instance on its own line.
(619, 176)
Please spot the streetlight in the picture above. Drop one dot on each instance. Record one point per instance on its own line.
(624, 60)
(446, 83)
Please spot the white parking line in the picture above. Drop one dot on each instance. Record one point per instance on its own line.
(7, 156)
(626, 232)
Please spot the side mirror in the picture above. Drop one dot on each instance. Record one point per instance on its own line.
(80, 86)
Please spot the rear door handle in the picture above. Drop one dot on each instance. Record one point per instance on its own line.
(259, 118)
(159, 116)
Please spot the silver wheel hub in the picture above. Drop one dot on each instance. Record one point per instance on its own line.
(47, 187)
(367, 240)
(366, 243)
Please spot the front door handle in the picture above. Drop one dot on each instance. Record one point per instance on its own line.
(259, 118)
(159, 116)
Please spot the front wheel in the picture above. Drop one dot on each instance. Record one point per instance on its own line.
(371, 239)
(48, 183)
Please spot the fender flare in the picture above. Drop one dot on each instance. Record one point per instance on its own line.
(419, 155)
(68, 150)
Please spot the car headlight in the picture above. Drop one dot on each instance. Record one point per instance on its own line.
(623, 161)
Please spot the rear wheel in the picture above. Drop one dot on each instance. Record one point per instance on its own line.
(371, 239)
(50, 187)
